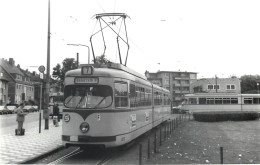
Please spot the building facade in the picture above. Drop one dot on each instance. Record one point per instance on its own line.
(20, 88)
(177, 82)
(5, 78)
(216, 85)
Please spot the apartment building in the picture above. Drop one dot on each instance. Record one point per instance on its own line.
(177, 82)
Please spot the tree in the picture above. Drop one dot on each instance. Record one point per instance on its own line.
(67, 64)
(249, 83)
(57, 72)
(102, 60)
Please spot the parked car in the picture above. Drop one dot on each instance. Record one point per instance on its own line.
(28, 108)
(3, 110)
(12, 108)
(35, 108)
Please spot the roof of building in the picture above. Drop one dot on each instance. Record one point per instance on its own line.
(175, 72)
(12, 69)
(5, 76)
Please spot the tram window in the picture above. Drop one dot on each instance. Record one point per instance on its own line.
(121, 97)
(202, 100)
(218, 100)
(248, 100)
(132, 96)
(226, 101)
(157, 98)
(193, 100)
(210, 100)
(120, 89)
(87, 96)
(234, 101)
(138, 98)
(256, 100)
(142, 93)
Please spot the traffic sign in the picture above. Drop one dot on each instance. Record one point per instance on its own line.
(41, 68)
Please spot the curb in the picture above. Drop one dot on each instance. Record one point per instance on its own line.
(31, 160)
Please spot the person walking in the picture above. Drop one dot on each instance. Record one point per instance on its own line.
(20, 117)
(56, 112)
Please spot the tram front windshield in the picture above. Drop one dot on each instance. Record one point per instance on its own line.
(87, 96)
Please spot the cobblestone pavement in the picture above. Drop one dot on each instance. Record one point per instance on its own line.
(17, 149)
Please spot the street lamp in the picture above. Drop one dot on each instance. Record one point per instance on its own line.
(85, 46)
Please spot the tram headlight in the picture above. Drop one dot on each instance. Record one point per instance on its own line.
(67, 118)
(84, 127)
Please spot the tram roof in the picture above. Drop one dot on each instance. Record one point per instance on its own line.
(221, 94)
(109, 70)
(114, 70)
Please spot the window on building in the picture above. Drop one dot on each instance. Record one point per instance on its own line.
(210, 86)
(216, 86)
(231, 87)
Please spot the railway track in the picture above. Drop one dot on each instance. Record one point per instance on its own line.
(97, 156)
(87, 156)
(74, 152)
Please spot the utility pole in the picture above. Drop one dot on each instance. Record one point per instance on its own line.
(47, 92)
(77, 60)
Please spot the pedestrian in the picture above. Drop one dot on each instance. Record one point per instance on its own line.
(20, 117)
(56, 112)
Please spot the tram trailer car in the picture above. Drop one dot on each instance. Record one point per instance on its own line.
(203, 102)
(110, 106)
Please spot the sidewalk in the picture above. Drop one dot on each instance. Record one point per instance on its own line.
(18, 149)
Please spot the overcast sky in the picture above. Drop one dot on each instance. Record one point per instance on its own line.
(211, 37)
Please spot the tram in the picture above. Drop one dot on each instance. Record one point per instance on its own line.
(202, 102)
(110, 106)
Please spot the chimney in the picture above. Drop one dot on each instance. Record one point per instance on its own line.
(11, 61)
(147, 74)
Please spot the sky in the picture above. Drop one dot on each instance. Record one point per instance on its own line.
(211, 37)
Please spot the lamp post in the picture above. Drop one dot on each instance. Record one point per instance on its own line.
(84, 46)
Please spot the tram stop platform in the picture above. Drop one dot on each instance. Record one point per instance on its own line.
(21, 149)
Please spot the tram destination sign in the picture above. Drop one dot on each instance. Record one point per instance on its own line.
(86, 80)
